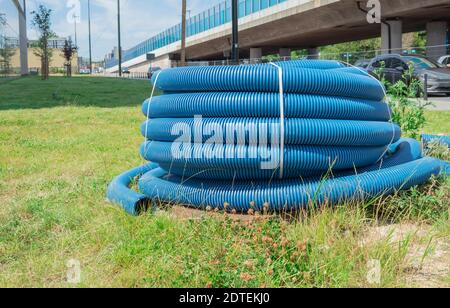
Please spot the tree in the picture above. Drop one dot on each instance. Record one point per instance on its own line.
(69, 51)
(2, 41)
(42, 22)
(352, 51)
(6, 52)
(349, 52)
(420, 42)
(2, 19)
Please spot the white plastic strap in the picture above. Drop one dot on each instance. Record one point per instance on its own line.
(148, 107)
(282, 119)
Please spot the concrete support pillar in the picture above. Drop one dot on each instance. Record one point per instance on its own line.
(23, 41)
(392, 36)
(313, 53)
(448, 40)
(285, 52)
(436, 39)
(256, 53)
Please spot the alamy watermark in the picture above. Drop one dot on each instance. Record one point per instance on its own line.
(374, 272)
(374, 13)
(74, 13)
(215, 140)
(73, 274)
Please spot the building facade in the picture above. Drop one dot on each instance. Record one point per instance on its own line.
(57, 62)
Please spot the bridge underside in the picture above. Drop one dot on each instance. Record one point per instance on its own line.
(332, 23)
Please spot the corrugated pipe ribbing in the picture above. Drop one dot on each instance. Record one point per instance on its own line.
(210, 134)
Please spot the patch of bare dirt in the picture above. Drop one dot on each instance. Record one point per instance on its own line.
(186, 213)
(428, 258)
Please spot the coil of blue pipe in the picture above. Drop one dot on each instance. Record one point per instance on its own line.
(338, 144)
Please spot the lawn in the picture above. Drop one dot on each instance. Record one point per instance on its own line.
(63, 140)
(438, 122)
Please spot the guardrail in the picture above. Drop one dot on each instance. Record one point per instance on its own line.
(130, 75)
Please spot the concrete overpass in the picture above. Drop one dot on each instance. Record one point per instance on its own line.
(296, 24)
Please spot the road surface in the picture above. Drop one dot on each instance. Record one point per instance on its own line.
(441, 103)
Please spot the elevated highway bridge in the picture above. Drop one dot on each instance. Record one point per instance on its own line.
(279, 26)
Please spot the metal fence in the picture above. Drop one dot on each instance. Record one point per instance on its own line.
(7, 73)
(348, 57)
(130, 75)
(34, 71)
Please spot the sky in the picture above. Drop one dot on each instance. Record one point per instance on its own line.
(140, 20)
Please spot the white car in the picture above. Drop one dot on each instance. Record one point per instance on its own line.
(445, 60)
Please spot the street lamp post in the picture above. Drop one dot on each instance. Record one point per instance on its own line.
(119, 38)
(75, 25)
(235, 38)
(90, 40)
(183, 34)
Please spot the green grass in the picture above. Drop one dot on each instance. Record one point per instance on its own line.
(62, 141)
(438, 122)
(29, 93)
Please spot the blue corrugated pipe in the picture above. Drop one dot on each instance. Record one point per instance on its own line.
(441, 139)
(337, 124)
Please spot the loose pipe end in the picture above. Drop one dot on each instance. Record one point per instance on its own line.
(120, 193)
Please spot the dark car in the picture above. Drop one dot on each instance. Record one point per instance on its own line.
(445, 60)
(152, 71)
(393, 67)
(126, 71)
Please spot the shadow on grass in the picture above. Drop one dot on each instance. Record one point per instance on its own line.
(33, 93)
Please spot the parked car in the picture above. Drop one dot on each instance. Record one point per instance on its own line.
(396, 65)
(362, 63)
(85, 71)
(126, 71)
(445, 60)
(152, 71)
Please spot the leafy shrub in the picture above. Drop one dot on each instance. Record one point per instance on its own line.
(408, 109)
